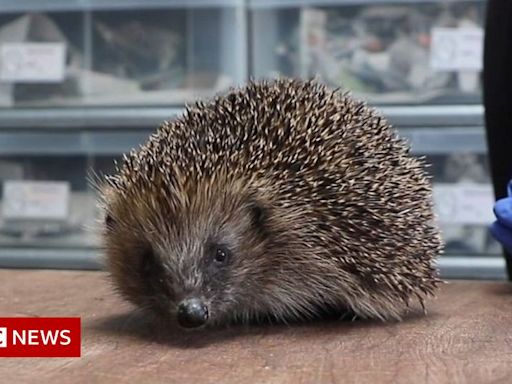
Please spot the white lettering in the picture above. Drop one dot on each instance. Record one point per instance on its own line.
(33, 335)
(49, 336)
(16, 336)
(37, 337)
(64, 335)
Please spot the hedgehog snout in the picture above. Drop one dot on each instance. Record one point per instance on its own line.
(192, 313)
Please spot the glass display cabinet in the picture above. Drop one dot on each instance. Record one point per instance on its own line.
(83, 81)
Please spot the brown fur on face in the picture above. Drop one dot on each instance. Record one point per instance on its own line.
(315, 199)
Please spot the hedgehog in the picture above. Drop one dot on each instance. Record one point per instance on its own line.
(278, 200)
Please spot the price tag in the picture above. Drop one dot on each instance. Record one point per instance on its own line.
(464, 203)
(32, 62)
(455, 49)
(36, 200)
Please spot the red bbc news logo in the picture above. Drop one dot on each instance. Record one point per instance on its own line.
(40, 337)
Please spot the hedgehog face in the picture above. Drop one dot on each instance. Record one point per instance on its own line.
(199, 267)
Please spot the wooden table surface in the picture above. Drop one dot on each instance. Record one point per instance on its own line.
(465, 338)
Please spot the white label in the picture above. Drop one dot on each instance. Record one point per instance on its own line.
(455, 49)
(464, 203)
(36, 200)
(32, 62)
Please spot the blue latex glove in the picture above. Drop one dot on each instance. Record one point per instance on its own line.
(501, 229)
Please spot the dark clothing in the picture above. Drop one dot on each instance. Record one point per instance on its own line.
(497, 79)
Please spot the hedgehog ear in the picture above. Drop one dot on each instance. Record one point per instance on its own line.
(110, 222)
(258, 213)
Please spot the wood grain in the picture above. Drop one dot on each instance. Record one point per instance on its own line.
(465, 338)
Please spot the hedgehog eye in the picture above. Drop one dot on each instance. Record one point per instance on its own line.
(221, 255)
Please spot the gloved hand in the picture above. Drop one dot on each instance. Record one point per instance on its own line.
(501, 229)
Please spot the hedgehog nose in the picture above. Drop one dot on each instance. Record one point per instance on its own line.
(192, 313)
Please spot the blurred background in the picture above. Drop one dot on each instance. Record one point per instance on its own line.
(83, 81)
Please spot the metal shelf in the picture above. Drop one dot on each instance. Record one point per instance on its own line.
(73, 258)
(122, 118)
(423, 141)
(108, 132)
(318, 3)
(435, 115)
(70, 143)
(435, 141)
(68, 118)
(8, 6)
(471, 267)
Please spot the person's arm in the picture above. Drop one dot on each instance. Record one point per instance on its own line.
(497, 80)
